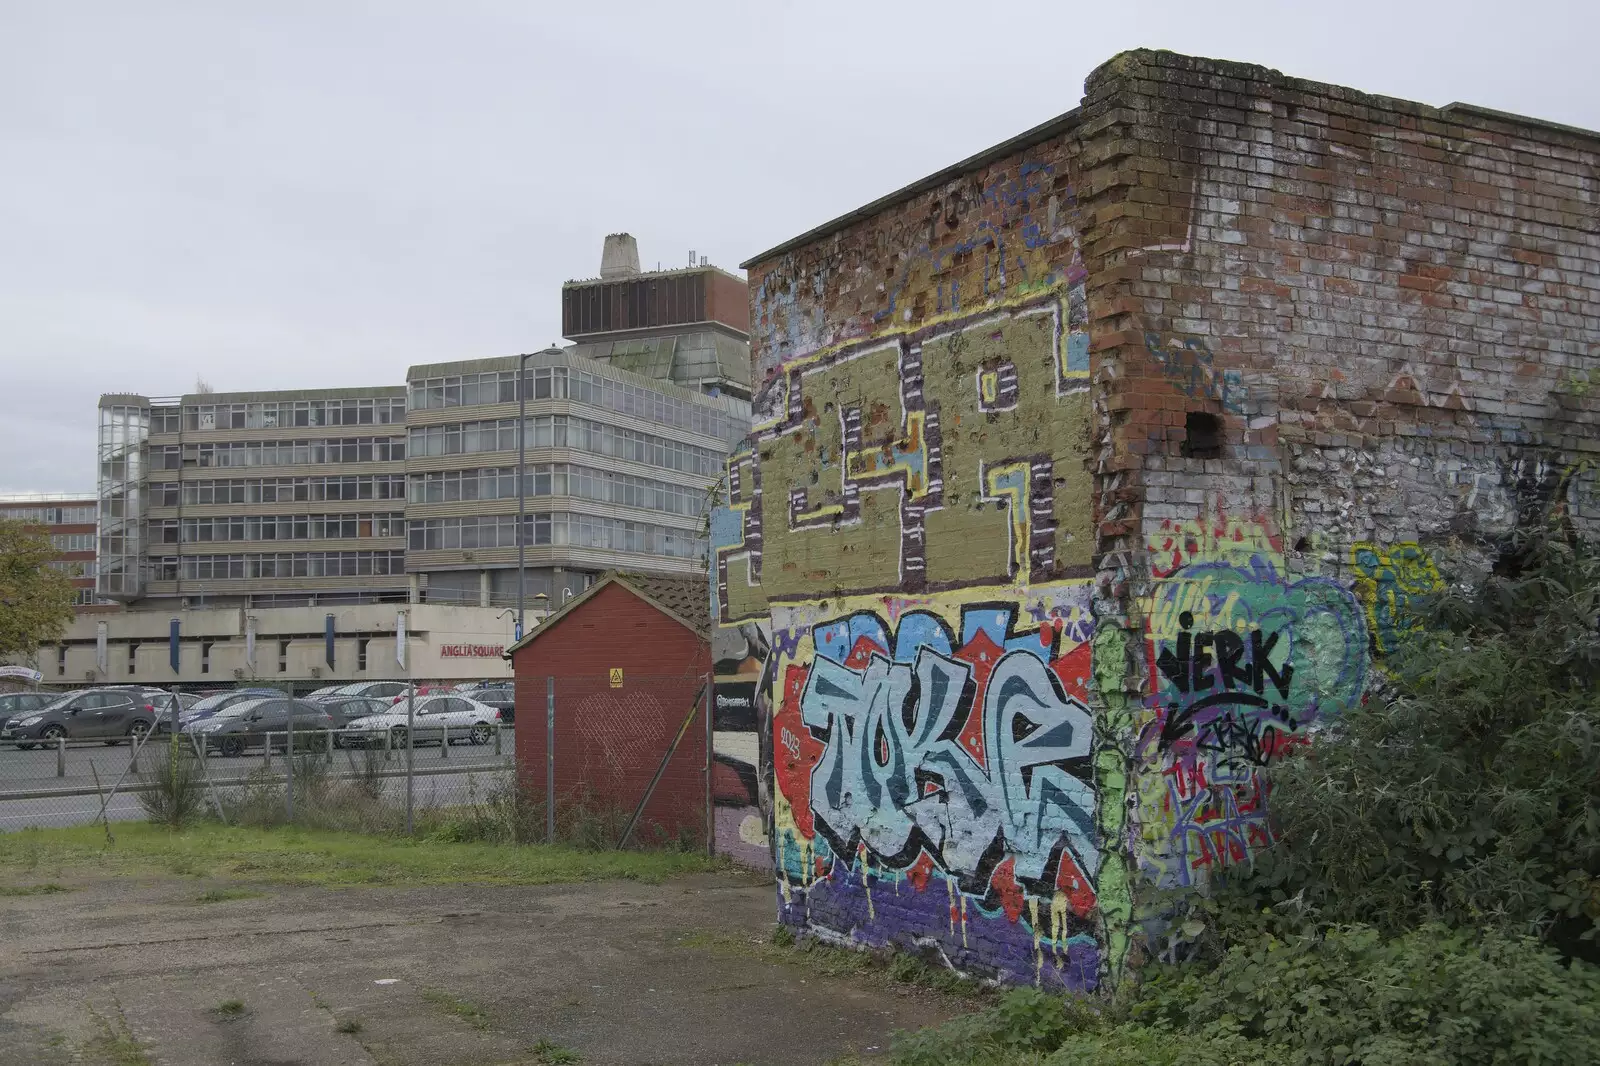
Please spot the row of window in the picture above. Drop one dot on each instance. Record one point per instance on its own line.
(560, 383)
(75, 567)
(557, 479)
(561, 431)
(50, 516)
(82, 597)
(279, 452)
(278, 527)
(279, 564)
(72, 542)
(584, 531)
(275, 413)
(282, 489)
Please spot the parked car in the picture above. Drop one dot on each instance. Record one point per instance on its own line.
(346, 709)
(502, 698)
(17, 704)
(360, 688)
(459, 717)
(252, 723)
(202, 709)
(109, 714)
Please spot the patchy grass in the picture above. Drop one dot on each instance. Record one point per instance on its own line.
(31, 890)
(223, 895)
(325, 857)
(348, 1025)
(554, 1054)
(115, 1044)
(825, 960)
(466, 1010)
(230, 1008)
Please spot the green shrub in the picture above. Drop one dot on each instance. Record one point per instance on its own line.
(1472, 795)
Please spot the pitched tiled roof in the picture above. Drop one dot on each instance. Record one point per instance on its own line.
(688, 599)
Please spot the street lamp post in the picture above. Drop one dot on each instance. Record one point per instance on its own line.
(522, 480)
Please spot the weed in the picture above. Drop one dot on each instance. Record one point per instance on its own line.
(782, 936)
(31, 890)
(554, 1054)
(175, 786)
(348, 1025)
(223, 895)
(116, 1043)
(467, 1011)
(230, 1008)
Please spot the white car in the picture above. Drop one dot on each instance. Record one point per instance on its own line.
(437, 716)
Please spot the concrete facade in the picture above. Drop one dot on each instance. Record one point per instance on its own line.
(1094, 472)
(280, 646)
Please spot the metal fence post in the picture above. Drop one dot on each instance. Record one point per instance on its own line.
(711, 817)
(550, 759)
(498, 730)
(61, 756)
(444, 741)
(411, 747)
(288, 765)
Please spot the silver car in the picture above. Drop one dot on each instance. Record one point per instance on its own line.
(462, 719)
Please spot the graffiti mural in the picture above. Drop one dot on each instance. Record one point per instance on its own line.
(1245, 659)
(1187, 362)
(936, 777)
(1391, 584)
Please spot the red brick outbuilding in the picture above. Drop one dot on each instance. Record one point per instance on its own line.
(627, 661)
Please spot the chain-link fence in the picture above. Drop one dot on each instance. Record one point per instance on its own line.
(598, 761)
(369, 756)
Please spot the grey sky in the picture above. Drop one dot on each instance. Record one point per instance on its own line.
(284, 195)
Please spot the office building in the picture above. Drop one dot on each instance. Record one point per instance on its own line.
(70, 520)
(409, 493)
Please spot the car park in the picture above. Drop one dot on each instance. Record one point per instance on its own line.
(109, 714)
(433, 719)
(18, 704)
(255, 723)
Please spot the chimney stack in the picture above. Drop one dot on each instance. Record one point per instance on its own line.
(620, 258)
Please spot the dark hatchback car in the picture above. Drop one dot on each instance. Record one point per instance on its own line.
(18, 704)
(346, 709)
(502, 698)
(109, 714)
(253, 723)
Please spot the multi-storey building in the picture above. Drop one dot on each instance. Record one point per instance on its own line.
(627, 430)
(70, 520)
(410, 493)
(260, 499)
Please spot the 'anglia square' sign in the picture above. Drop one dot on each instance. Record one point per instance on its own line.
(471, 651)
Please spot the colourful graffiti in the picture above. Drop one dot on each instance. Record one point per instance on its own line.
(1187, 362)
(1245, 660)
(935, 769)
(1391, 585)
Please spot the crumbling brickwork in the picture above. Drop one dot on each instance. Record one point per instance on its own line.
(1092, 475)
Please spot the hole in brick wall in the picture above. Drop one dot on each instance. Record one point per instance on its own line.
(1302, 545)
(1202, 433)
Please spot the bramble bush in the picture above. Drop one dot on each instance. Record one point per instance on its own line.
(1434, 897)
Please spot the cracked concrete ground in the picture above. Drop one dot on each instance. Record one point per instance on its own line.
(135, 971)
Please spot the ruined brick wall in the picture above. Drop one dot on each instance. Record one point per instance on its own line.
(1092, 479)
(1385, 320)
(912, 526)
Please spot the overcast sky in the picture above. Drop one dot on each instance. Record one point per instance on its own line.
(289, 195)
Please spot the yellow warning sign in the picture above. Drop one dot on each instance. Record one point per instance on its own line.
(616, 677)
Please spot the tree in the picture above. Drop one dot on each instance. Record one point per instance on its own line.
(35, 598)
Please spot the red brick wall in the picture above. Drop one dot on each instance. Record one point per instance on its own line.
(608, 742)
